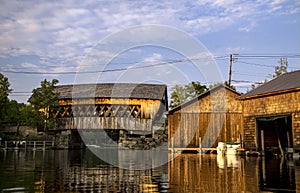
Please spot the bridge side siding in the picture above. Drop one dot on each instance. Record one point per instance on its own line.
(87, 114)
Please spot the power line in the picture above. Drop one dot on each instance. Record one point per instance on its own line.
(269, 55)
(221, 57)
(125, 63)
(111, 70)
(256, 64)
(245, 81)
(264, 65)
(253, 75)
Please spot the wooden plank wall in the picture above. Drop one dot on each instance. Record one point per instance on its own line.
(186, 129)
(213, 118)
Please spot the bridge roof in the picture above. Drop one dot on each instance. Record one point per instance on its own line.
(112, 90)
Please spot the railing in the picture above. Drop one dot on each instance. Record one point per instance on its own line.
(31, 145)
(118, 123)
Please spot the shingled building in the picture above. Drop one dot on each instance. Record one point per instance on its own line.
(271, 114)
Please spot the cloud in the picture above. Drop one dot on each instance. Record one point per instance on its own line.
(67, 29)
(29, 65)
(154, 58)
(248, 28)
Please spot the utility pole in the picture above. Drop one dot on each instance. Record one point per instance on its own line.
(230, 70)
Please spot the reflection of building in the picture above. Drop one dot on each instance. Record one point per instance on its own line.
(123, 110)
(81, 171)
(201, 173)
(217, 173)
(277, 175)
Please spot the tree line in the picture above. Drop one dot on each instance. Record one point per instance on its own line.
(35, 112)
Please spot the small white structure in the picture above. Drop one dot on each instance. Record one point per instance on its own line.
(229, 148)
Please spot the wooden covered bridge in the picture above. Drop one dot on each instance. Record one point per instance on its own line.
(128, 112)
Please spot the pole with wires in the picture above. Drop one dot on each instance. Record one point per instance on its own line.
(230, 70)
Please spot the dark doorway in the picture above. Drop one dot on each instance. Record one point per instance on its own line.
(274, 133)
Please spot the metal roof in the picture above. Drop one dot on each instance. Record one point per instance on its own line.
(112, 90)
(284, 83)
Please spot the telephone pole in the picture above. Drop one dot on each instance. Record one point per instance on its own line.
(230, 70)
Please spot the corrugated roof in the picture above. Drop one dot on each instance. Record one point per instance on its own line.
(112, 90)
(285, 82)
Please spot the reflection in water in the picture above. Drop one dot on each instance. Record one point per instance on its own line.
(73, 171)
(217, 173)
(277, 174)
(229, 161)
(81, 171)
(207, 173)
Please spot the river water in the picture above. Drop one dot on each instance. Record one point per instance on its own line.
(82, 171)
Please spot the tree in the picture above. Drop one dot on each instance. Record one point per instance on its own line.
(43, 99)
(225, 84)
(4, 92)
(278, 70)
(282, 68)
(183, 93)
(19, 113)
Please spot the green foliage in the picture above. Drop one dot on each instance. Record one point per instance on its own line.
(220, 83)
(42, 100)
(13, 112)
(4, 92)
(281, 68)
(183, 93)
(20, 113)
(45, 96)
(4, 89)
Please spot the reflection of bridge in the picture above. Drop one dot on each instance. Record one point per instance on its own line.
(131, 108)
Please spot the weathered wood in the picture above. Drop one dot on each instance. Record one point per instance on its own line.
(285, 103)
(214, 117)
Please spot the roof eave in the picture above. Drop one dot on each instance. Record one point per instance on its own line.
(270, 93)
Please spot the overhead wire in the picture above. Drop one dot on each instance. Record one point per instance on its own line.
(111, 70)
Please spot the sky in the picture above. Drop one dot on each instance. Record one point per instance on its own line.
(167, 42)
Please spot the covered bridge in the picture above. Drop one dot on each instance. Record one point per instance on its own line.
(125, 109)
(271, 114)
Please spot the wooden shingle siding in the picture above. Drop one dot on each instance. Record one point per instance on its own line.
(278, 97)
(296, 128)
(273, 105)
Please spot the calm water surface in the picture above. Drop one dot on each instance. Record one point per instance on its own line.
(81, 171)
